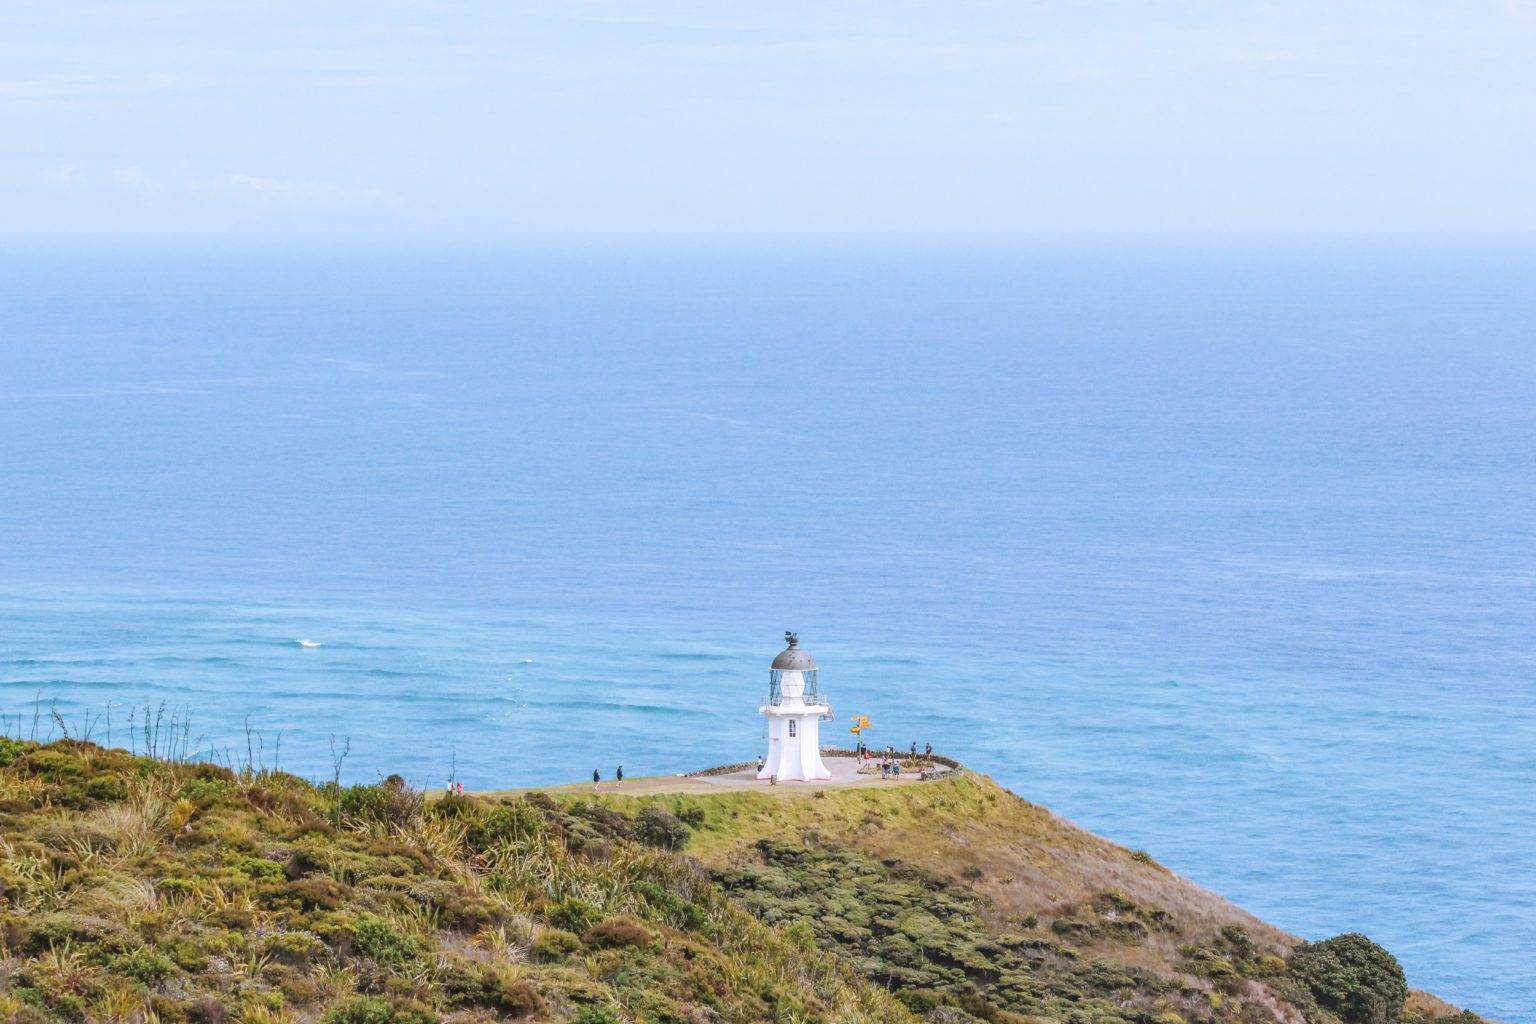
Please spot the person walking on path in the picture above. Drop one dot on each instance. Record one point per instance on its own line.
(597, 777)
(619, 775)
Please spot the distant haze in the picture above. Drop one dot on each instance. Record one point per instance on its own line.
(423, 119)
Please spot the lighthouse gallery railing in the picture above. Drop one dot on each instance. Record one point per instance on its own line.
(776, 688)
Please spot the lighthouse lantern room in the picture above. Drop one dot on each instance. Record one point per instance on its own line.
(794, 712)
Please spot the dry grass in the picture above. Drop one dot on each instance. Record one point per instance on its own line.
(966, 829)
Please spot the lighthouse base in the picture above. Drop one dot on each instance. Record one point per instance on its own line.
(794, 748)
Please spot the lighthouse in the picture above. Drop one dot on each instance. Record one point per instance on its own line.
(794, 712)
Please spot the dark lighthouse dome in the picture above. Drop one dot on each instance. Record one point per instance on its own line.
(792, 658)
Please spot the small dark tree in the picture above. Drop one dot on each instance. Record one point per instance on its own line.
(658, 827)
(1352, 976)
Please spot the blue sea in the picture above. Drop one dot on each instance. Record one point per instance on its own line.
(1225, 552)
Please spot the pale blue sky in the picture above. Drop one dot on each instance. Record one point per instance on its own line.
(427, 119)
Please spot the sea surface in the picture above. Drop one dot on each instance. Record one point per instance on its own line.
(1228, 553)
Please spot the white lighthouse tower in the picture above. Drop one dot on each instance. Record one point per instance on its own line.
(794, 711)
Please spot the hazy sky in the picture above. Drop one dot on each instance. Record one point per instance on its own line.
(504, 119)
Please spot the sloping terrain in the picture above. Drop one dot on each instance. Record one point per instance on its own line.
(959, 896)
(139, 891)
(146, 892)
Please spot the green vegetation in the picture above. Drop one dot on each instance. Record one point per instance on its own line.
(144, 892)
(1353, 977)
(137, 891)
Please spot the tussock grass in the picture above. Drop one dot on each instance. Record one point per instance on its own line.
(150, 892)
(146, 891)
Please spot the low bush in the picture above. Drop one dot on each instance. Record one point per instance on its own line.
(259, 867)
(144, 965)
(483, 986)
(616, 932)
(390, 802)
(555, 944)
(655, 826)
(504, 823)
(317, 892)
(375, 937)
(296, 948)
(371, 1010)
(571, 914)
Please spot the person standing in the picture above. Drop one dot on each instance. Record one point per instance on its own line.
(927, 751)
(619, 775)
(597, 777)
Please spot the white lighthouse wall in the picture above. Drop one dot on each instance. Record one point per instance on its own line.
(795, 758)
(809, 749)
(775, 749)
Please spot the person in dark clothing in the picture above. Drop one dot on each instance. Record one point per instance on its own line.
(927, 751)
(597, 777)
(619, 775)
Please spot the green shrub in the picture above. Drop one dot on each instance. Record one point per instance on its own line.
(571, 914)
(55, 765)
(11, 750)
(693, 817)
(106, 787)
(370, 1010)
(484, 986)
(144, 965)
(509, 822)
(555, 944)
(657, 827)
(1352, 976)
(297, 948)
(375, 937)
(185, 953)
(60, 928)
(451, 805)
(607, 822)
(259, 867)
(205, 792)
(598, 1015)
(391, 802)
(318, 892)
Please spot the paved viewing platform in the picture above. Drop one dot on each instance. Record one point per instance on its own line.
(845, 774)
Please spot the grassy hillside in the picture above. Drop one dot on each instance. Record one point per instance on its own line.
(958, 895)
(139, 891)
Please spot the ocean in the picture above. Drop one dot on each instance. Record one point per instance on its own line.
(1227, 552)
